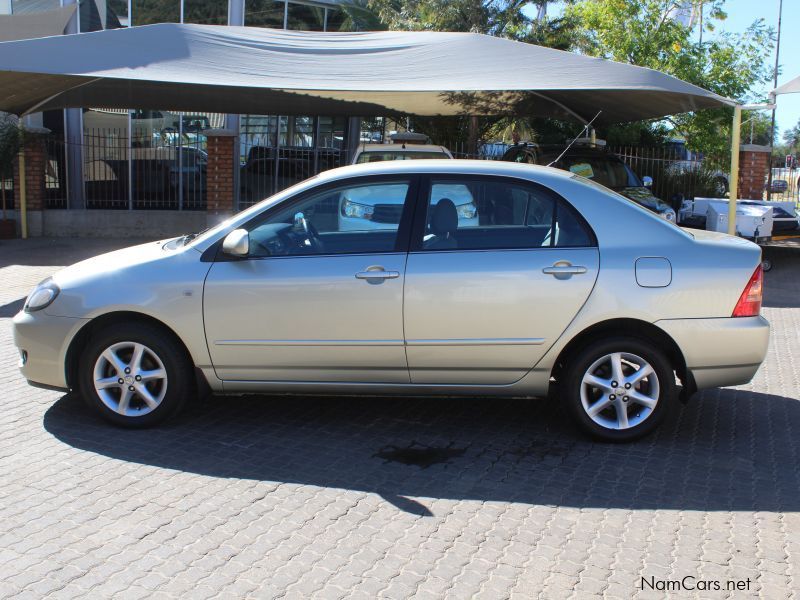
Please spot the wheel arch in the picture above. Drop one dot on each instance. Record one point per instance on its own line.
(633, 328)
(81, 338)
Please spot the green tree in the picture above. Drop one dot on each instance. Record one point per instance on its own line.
(503, 18)
(646, 33)
(791, 138)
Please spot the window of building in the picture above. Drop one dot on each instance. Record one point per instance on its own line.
(148, 12)
(303, 17)
(264, 13)
(338, 20)
(205, 12)
(105, 158)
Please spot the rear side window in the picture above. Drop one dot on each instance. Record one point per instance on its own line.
(493, 214)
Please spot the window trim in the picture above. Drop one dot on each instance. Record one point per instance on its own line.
(402, 241)
(421, 211)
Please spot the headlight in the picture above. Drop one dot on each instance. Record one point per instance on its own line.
(356, 210)
(467, 211)
(42, 296)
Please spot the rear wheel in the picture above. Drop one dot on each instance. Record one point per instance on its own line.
(134, 375)
(618, 389)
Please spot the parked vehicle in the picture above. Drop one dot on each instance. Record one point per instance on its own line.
(778, 186)
(368, 153)
(562, 288)
(785, 219)
(594, 163)
(688, 161)
(362, 209)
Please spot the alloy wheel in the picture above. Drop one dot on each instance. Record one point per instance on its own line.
(130, 379)
(619, 390)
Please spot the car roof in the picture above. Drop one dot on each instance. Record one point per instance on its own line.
(453, 166)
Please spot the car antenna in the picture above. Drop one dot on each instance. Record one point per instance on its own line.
(575, 139)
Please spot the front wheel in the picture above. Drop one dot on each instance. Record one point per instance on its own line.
(618, 389)
(134, 375)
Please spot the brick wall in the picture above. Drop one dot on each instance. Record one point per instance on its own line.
(35, 164)
(753, 170)
(220, 172)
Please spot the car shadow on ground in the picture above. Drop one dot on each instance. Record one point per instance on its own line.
(727, 450)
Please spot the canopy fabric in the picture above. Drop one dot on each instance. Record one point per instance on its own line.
(265, 71)
(790, 87)
(35, 25)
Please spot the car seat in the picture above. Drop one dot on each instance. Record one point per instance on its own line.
(444, 224)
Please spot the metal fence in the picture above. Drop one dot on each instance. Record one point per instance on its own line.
(166, 170)
(785, 185)
(676, 173)
(162, 171)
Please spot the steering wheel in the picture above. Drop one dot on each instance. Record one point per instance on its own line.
(311, 233)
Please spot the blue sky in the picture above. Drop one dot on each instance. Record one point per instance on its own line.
(741, 13)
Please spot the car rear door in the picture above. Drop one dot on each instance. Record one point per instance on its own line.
(484, 302)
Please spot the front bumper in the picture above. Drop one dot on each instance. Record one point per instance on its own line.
(43, 340)
(720, 352)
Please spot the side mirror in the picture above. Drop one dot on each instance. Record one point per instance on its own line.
(237, 243)
(647, 181)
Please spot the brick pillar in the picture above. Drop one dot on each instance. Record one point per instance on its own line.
(35, 165)
(753, 170)
(220, 176)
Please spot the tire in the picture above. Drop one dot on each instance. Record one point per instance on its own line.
(153, 392)
(607, 422)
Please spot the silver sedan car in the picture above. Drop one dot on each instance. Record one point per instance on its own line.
(557, 287)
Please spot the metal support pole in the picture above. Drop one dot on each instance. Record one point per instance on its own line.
(23, 190)
(774, 85)
(736, 131)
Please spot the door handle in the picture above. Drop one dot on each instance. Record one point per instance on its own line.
(377, 273)
(564, 270)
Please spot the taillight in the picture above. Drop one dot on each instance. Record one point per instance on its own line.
(749, 304)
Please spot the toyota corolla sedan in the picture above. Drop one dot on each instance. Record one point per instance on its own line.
(561, 289)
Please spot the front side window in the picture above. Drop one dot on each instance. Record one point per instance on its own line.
(490, 214)
(357, 218)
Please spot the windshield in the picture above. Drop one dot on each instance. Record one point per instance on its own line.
(605, 170)
(382, 155)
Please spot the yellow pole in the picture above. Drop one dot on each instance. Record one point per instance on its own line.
(23, 192)
(736, 134)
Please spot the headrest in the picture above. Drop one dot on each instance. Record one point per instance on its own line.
(444, 220)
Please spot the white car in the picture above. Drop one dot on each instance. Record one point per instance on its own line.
(363, 209)
(368, 153)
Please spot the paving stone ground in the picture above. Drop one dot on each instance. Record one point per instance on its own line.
(269, 497)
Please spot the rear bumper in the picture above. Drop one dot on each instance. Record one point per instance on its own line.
(720, 352)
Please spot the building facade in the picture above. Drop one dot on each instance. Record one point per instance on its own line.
(105, 162)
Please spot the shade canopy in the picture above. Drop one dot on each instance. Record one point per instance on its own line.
(35, 25)
(790, 87)
(265, 71)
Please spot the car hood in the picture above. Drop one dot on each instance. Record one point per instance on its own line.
(116, 263)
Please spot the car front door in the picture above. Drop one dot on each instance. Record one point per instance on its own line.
(313, 302)
(484, 302)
